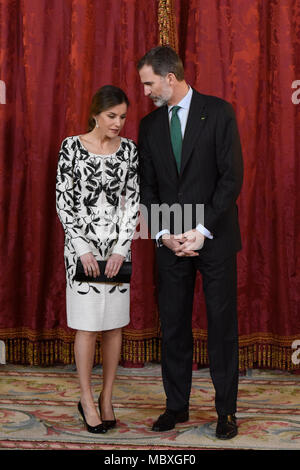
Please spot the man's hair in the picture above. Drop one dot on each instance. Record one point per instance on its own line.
(163, 60)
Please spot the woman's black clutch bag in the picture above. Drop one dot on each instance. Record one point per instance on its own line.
(123, 275)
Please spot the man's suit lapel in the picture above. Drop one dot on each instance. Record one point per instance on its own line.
(196, 120)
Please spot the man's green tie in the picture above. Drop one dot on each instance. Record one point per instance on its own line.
(176, 137)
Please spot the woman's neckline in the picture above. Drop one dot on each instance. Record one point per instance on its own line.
(99, 154)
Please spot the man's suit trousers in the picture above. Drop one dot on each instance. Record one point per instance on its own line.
(176, 294)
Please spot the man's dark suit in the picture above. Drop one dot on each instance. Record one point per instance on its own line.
(211, 174)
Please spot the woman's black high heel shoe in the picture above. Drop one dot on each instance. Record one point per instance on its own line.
(109, 424)
(98, 429)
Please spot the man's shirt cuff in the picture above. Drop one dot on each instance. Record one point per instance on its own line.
(204, 231)
(162, 232)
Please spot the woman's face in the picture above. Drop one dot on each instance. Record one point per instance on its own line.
(112, 120)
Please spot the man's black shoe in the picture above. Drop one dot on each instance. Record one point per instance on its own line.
(168, 419)
(226, 427)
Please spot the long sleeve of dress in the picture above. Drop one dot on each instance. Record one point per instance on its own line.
(65, 199)
(128, 207)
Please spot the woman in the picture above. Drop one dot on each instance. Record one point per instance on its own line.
(97, 196)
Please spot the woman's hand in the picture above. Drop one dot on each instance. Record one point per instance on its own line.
(90, 265)
(113, 265)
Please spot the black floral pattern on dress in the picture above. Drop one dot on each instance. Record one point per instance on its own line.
(90, 190)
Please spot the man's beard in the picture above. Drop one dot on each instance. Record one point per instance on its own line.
(163, 98)
(159, 101)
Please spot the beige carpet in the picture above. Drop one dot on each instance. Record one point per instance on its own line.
(38, 410)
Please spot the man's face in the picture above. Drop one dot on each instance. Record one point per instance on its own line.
(155, 86)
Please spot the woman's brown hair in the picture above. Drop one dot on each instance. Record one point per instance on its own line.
(106, 97)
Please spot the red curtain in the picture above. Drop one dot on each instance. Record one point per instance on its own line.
(249, 54)
(53, 57)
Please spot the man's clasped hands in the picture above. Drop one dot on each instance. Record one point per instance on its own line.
(184, 244)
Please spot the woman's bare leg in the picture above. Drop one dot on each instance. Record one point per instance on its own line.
(84, 349)
(111, 350)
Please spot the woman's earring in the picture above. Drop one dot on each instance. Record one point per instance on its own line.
(97, 125)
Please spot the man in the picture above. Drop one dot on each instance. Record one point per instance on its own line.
(190, 155)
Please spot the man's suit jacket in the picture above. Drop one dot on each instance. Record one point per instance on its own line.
(211, 170)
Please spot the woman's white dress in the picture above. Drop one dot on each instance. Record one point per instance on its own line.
(97, 198)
